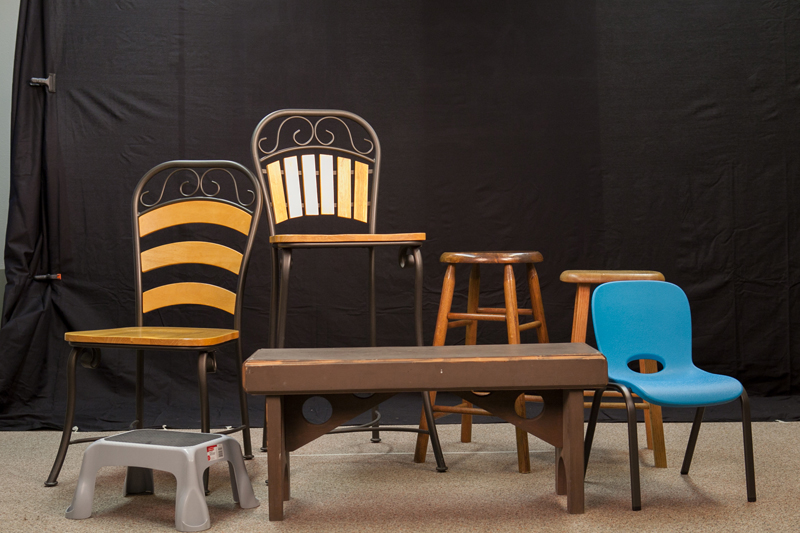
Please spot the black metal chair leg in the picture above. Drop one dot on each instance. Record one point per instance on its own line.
(433, 433)
(418, 295)
(687, 457)
(273, 325)
(283, 294)
(248, 446)
(139, 424)
(587, 444)
(633, 446)
(205, 418)
(69, 417)
(749, 463)
(373, 333)
(273, 300)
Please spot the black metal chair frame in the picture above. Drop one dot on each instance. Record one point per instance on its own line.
(89, 354)
(409, 253)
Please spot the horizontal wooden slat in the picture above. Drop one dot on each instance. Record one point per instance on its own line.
(154, 336)
(205, 253)
(276, 192)
(189, 293)
(349, 237)
(528, 367)
(195, 212)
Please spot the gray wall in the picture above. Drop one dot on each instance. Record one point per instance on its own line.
(9, 12)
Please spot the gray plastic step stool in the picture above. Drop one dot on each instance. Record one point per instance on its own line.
(184, 455)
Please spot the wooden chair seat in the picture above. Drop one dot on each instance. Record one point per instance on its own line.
(372, 238)
(154, 336)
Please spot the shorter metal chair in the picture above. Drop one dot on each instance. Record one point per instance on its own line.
(636, 320)
(185, 455)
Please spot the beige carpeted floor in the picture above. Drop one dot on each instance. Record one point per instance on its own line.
(345, 483)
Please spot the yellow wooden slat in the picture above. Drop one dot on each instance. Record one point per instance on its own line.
(205, 253)
(188, 293)
(343, 198)
(195, 211)
(360, 187)
(276, 192)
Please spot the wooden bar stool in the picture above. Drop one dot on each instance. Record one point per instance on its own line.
(584, 279)
(509, 314)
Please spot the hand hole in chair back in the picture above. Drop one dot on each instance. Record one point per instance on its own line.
(637, 365)
(194, 227)
(318, 163)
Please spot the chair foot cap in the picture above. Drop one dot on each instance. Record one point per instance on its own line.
(441, 469)
(50, 483)
(248, 457)
(263, 448)
(374, 440)
(749, 499)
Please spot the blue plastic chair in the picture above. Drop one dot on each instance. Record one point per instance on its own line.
(651, 320)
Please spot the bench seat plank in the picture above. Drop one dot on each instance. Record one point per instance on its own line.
(420, 368)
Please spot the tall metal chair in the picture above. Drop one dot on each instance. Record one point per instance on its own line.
(636, 320)
(322, 170)
(194, 223)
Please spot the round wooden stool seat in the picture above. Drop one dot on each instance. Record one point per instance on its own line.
(492, 258)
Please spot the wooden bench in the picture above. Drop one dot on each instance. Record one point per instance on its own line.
(559, 373)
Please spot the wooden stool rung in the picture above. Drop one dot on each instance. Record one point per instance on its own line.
(530, 325)
(502, 311)
(459, 323)
(618, 405)
(476, 316)
(461, 410)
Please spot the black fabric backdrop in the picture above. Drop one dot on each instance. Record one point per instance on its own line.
(655, 135)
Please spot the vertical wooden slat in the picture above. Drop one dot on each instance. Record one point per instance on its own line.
(293, 187)
(310, 184)
(276, 191)
(326, 184)
(360, 187)
(343, 198)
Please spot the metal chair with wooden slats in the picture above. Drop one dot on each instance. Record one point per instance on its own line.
(321, 169)
(206, 231)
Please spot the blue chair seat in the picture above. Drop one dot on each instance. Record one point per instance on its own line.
(682, 388)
